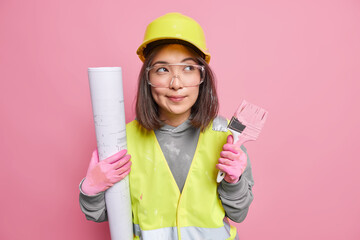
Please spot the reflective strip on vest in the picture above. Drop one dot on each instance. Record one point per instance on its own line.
(187, 233)
(220, 124)
(159, 234)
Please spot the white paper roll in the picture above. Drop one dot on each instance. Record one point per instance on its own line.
(107, 100)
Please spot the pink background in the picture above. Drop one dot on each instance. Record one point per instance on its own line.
(299, 60)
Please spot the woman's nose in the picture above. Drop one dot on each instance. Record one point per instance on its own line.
(176, 82)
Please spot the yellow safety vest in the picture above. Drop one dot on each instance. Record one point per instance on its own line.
(159, 210)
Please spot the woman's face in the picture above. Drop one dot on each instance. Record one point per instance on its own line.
(176, 100)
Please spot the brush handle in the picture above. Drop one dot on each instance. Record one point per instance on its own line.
(239, 140)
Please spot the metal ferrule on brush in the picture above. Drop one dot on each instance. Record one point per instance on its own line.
(236, 125)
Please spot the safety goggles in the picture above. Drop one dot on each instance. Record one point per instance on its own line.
(163, 75)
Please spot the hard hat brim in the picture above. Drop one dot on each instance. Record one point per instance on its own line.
(144, 45)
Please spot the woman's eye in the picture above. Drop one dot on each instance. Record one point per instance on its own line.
(189, 68)
(161, 70)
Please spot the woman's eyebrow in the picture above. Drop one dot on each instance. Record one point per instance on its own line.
(187, 59)
(160, 62)
(184, 60)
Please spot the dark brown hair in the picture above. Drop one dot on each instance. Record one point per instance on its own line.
(203, 111)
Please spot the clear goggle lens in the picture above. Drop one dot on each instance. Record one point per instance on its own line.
(162, 75)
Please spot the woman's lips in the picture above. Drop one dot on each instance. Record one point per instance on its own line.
(176, 98)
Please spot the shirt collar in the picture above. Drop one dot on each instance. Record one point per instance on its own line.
(181, 128)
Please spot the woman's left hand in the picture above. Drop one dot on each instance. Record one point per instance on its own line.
(232, 161)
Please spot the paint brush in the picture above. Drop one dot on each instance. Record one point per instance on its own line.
(245, 125)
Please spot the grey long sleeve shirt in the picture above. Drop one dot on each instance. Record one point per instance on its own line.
(178, 145)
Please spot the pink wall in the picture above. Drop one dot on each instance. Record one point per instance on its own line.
(298, 60)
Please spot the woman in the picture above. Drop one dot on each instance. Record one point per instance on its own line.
(177, 145)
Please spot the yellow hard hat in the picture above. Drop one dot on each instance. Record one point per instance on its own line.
(175, 26)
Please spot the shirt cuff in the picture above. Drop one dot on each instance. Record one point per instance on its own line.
(233, 190)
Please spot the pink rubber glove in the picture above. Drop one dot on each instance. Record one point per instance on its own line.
(232, 161)
(104, 174)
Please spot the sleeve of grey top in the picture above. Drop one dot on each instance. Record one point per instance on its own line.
(93, 206)
(236, 198)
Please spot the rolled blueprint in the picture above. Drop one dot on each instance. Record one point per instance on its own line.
(107, 100)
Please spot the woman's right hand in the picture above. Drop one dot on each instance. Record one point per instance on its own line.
(104, 174)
